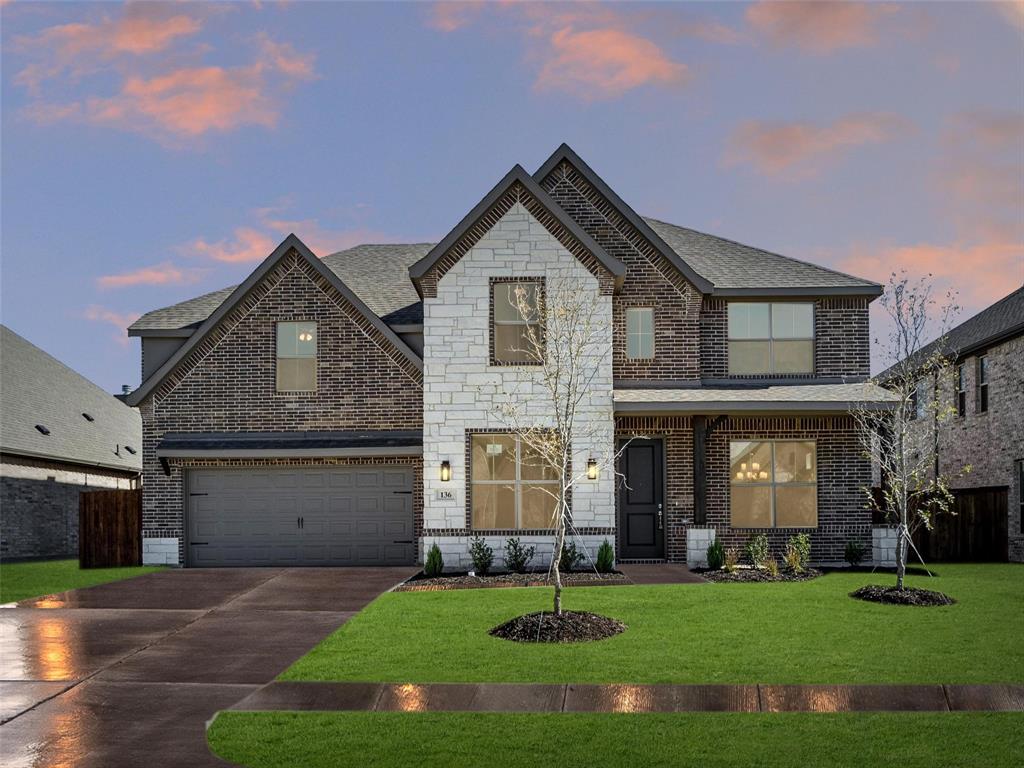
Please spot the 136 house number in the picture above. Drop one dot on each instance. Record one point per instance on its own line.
(446, 494)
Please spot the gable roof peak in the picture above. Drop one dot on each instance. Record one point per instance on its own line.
(517, 175)
(565, 153)
(288, 245)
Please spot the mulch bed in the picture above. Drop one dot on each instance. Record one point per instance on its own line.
(906, 596)
(742, 575)
(568, 627)
(421, 583)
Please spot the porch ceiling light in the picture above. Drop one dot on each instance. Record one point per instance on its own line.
(446, 471)
(591, 469)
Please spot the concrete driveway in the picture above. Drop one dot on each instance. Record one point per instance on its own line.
(128, 673)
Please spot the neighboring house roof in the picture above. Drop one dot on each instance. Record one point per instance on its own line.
(737, 269)
(517, 175)
(36, 388)
(998, 322)
(796, 398)
(287, 245)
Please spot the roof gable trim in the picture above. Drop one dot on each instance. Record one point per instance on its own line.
(287, 245)
(565, 153)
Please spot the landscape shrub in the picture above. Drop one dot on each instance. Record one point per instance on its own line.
(716, 555)
(518, 557)
(732, 559)
(481, 555)
(605, 558)
(771, 566)
(434, 565)
(757, 550)
(571, 557)
(855, 553)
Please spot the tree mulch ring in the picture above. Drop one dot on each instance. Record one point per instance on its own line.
(567, 627)
(423, 583)
(906, 596)
(742, 575)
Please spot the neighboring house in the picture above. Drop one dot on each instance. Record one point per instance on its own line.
(985, 430)
(60, 434)
(344, 410)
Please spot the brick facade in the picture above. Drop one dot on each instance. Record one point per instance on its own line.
(842, 343)
(39, 500)
(651, 281)
(991, 442)
(842, 474)
(228, 383)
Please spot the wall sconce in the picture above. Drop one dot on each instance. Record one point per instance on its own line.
(591, 469)
(446, 471)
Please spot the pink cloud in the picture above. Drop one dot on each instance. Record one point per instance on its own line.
(800, 149)
(144, 29)
(120, 320)
(165, 273)
(980, 272)
(248, 245)
(286, 60)
(452, 16)
(1012, 12)
(818, 27)
(605, 63)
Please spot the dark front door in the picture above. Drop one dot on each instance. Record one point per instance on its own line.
(641, 501)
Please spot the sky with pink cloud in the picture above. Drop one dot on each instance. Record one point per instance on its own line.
(152, 152)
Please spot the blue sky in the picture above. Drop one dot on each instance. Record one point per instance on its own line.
(152, 152)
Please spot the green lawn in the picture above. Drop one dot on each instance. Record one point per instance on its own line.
(21, 580)
(714, 740)
(809, 632)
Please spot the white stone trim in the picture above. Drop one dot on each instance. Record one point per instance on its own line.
(160, 551)
(697, 542)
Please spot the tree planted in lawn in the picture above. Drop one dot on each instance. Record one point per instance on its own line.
(566, 341)
(901, 442)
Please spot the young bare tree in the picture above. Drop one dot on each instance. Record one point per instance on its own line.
(902, 442)
(567, 339)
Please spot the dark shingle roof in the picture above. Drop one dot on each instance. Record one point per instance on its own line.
(379, 275)
(732, 265)
(1002, 320)
(36, 388)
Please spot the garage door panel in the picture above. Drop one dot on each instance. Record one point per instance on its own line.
(351, 515)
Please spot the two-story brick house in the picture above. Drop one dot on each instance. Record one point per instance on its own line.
(345, 410)
(982, 427)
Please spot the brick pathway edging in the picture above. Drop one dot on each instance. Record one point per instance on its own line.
(542, 697)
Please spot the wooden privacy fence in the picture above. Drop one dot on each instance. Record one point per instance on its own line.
(109, 528)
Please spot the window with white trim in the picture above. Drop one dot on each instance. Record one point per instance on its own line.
(982, 373)
(511, 487)
(771, 339)
(773, 484)
(639, 333)
(296, 357)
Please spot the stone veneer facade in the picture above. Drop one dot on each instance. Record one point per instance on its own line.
(463, 392)
(228, 384)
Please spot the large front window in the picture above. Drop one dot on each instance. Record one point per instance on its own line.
(516, 322)
(773, 484)
(511, 487)
(296, 357)
(771, 339)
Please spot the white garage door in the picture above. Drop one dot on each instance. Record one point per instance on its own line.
(332, 515)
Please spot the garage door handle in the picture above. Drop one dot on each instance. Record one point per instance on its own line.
(199, 494)
(199, 543)
(403, 493)
(403, 541)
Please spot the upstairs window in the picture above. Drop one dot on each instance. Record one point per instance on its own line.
(771, 339)
(920, 400)
(296, 357)
(982, 376)
(511, 487)
(639, 334)
(773, 484)
(961, 392)
(516, 322)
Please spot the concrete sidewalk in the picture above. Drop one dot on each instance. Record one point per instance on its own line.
(536, 697)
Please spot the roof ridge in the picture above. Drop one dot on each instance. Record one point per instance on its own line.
(762, 250)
